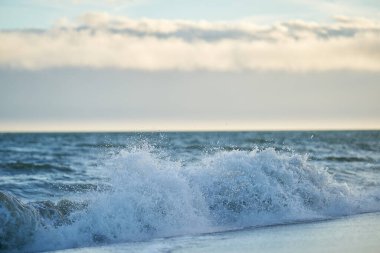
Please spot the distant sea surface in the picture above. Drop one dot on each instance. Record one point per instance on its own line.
(65, 190)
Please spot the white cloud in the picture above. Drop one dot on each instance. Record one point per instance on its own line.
(99, 40)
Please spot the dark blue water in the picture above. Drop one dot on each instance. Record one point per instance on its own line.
(61, 190)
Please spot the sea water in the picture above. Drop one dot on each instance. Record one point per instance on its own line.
(68, 190)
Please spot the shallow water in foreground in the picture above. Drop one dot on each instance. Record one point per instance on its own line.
(69, 190)
(351, 234)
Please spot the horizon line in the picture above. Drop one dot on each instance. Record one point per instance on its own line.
(184, 126)
(184, 130)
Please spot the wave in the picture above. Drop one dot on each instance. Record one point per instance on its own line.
(30, 167)
(150, 195)
(348, 159)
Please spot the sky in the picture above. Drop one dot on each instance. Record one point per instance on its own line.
(156, 65)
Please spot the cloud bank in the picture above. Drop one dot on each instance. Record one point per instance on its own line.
(99, 40)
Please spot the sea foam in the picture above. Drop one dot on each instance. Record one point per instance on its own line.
(150, 196)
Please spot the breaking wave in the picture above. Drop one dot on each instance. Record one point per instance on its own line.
(149, 195)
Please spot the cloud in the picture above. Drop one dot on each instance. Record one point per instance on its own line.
(99, 40)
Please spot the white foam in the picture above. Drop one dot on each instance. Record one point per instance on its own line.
(152, 196)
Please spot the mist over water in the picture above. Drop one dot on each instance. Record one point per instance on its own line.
(71, 190)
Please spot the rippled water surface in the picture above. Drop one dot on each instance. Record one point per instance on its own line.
(77, 189)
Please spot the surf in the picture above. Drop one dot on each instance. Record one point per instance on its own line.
(149, 195)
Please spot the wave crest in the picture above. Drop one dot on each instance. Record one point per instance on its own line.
(152, 196)
(261, 187)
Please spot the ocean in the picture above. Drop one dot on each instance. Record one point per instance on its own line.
(77, 190)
